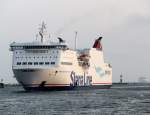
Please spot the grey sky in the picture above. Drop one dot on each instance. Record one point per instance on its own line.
(124, 24)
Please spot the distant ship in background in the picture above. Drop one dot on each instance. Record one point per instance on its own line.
(1, 84)
(43, 65)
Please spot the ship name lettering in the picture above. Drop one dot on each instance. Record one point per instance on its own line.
(80, 80)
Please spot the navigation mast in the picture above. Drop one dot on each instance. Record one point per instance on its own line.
(75, 45)
(42, 31)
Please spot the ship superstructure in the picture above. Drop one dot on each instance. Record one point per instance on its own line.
(54, 66)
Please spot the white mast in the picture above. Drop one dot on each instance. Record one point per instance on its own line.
(75, 45)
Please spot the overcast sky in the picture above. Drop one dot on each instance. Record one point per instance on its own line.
(124, 25)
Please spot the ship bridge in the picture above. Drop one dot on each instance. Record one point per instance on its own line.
(38, 54)
(37, 45)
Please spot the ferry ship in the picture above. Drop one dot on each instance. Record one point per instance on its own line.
(43, 65)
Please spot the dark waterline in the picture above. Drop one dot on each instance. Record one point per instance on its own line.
(15, 101)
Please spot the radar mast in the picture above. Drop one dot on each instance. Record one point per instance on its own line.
(42, 31)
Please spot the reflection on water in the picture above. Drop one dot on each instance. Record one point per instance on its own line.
(15, 101)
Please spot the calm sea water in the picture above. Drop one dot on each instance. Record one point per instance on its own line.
(14, 101)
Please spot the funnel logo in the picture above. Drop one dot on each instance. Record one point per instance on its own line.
(100, 72)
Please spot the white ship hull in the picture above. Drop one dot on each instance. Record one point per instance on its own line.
(60, 79)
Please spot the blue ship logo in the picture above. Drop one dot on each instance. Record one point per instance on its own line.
(99, 71)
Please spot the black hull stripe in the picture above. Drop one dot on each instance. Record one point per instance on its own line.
(49, 88)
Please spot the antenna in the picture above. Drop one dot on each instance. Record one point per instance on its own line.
(75, 43)
(36, 37)
(42, 30)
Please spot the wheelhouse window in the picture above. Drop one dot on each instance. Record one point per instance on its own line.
(24, 63)
(29, 63)
(53, 63)
(18, 63)
(46, 63)
(35, 63)
(41, 63)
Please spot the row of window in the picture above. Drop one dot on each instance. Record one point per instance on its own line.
(42, 63)
(36, 51)
(35, 63)
(40, 47)
(45, 47)
(37, 57)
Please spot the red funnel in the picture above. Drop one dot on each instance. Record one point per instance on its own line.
(98, 44)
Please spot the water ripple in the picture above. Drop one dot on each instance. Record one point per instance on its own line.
(15, 101)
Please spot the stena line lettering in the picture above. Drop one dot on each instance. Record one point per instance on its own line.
(80, 80)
